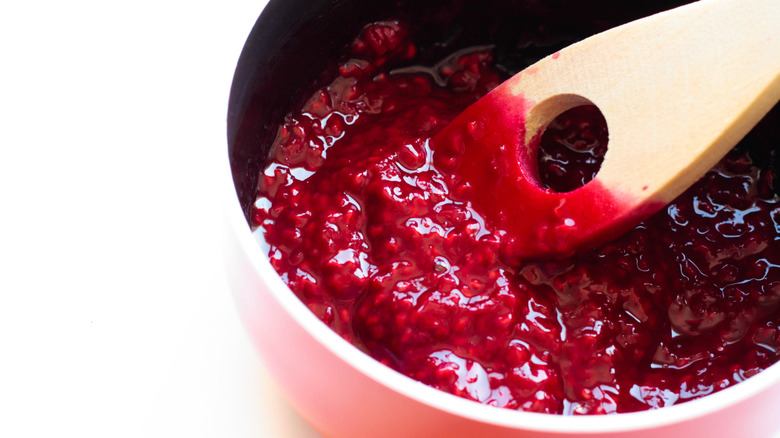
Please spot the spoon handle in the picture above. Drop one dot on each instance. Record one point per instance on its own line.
(699, 78)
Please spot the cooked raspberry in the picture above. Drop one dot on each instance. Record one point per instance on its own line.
(372, 232)
(383, 39)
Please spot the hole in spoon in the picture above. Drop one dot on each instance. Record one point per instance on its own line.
(572, 148)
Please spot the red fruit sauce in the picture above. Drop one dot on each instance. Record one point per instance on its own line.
(365, 229)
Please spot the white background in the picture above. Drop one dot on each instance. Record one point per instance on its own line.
(115, 317)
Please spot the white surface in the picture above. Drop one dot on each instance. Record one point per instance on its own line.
(115, 318)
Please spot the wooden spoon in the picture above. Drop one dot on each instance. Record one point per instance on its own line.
(678, 90)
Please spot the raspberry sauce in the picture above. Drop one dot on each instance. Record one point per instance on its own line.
(368, 228)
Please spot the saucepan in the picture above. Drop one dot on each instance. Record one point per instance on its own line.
(340, 390)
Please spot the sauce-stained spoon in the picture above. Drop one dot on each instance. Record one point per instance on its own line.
(678, 90)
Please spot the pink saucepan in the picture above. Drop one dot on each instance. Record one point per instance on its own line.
(341, 391)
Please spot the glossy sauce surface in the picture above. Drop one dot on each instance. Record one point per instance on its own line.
(368, 228)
